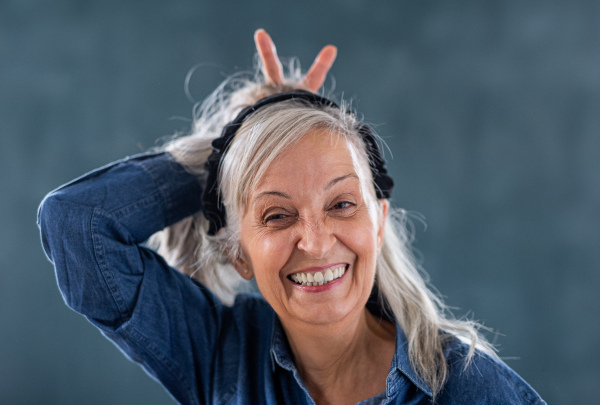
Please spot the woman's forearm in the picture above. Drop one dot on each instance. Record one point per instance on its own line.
(96, 222)
(92, 230)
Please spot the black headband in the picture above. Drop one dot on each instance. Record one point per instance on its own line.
(213, 208)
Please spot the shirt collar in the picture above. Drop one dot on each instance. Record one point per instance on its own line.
(401, 363)
(281, 355)
(280, 351)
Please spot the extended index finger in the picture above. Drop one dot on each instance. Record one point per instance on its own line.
(315, 77)
(271, 66)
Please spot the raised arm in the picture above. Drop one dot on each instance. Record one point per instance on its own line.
(92, 230)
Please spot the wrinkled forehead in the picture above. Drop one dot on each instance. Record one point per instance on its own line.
(316, 158)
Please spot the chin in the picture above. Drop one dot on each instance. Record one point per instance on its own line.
(326, 314)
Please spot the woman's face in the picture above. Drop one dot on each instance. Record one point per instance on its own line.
(308, 219)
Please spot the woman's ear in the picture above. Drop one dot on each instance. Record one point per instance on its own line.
(242, 267)
(240, 264)
(385, 205)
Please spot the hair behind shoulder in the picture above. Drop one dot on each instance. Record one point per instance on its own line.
(186, 245)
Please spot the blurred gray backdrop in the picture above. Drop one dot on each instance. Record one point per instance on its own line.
(491, 110)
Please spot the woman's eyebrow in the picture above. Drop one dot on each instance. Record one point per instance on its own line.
(286, 196)
(338, 179)
(275, 193)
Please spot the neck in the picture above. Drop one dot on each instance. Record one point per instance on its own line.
(343, 362)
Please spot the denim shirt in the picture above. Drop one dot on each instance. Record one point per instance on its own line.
(202, 351)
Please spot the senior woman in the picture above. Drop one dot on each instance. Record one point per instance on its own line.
(288, 188)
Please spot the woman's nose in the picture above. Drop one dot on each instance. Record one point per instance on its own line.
(316, 239)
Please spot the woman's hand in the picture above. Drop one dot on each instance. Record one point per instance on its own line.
(273, 71)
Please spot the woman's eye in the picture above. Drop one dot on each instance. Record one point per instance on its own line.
(342, 205)
(275, 217)
(279, 220)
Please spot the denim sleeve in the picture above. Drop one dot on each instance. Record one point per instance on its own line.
(485, 380)
(92, 230)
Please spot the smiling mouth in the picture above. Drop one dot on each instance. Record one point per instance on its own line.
(318, 277)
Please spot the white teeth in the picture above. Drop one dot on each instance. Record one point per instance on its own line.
(318, 278)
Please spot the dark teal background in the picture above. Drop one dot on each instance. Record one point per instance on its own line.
(490, 108)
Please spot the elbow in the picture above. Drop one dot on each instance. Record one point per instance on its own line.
(48, 215)
(62, 225)
(66, 234)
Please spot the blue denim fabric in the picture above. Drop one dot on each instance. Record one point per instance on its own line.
(202, 351)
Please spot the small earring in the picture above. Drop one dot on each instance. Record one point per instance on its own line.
(245, 271)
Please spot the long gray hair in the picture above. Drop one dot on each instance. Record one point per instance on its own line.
(265, 135)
